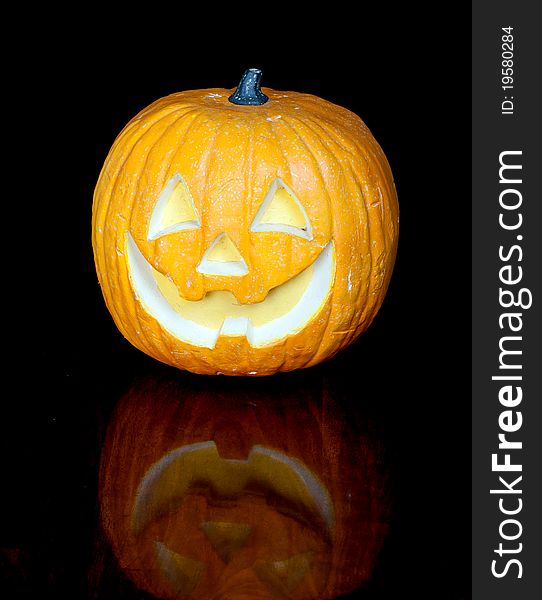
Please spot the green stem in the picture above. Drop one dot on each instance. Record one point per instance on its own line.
(248, 91)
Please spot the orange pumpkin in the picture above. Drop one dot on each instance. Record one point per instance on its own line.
(244, 238)
(235, 492)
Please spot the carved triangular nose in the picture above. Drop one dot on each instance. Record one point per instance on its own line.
(226, 538)
(222, 258)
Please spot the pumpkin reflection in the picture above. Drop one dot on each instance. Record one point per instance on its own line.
(214, 489)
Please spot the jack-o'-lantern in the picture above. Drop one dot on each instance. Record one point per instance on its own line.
(244, 233)
(236, 492)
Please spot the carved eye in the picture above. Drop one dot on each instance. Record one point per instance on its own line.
(174, 210)
(282, 211)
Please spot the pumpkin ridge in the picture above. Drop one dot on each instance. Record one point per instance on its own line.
(119, 168)
(317, 347)
(245, 250)
(114, 180)
(375, 157)
(365, 290)
(152, 342)
(195, 123)
(203, 164)
(376, 229)
(331, 113)
(273, 128)
(353, 333)
(113, 188)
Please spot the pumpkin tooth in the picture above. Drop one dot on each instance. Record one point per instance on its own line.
(235, 326)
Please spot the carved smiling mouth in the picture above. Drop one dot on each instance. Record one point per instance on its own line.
(287, 309)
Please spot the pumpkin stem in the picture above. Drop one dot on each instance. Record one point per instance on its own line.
(248, 91)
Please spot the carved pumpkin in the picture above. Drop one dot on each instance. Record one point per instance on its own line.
(244, 234)
(225, 491)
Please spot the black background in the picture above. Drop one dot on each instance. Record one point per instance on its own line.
(406, 72)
